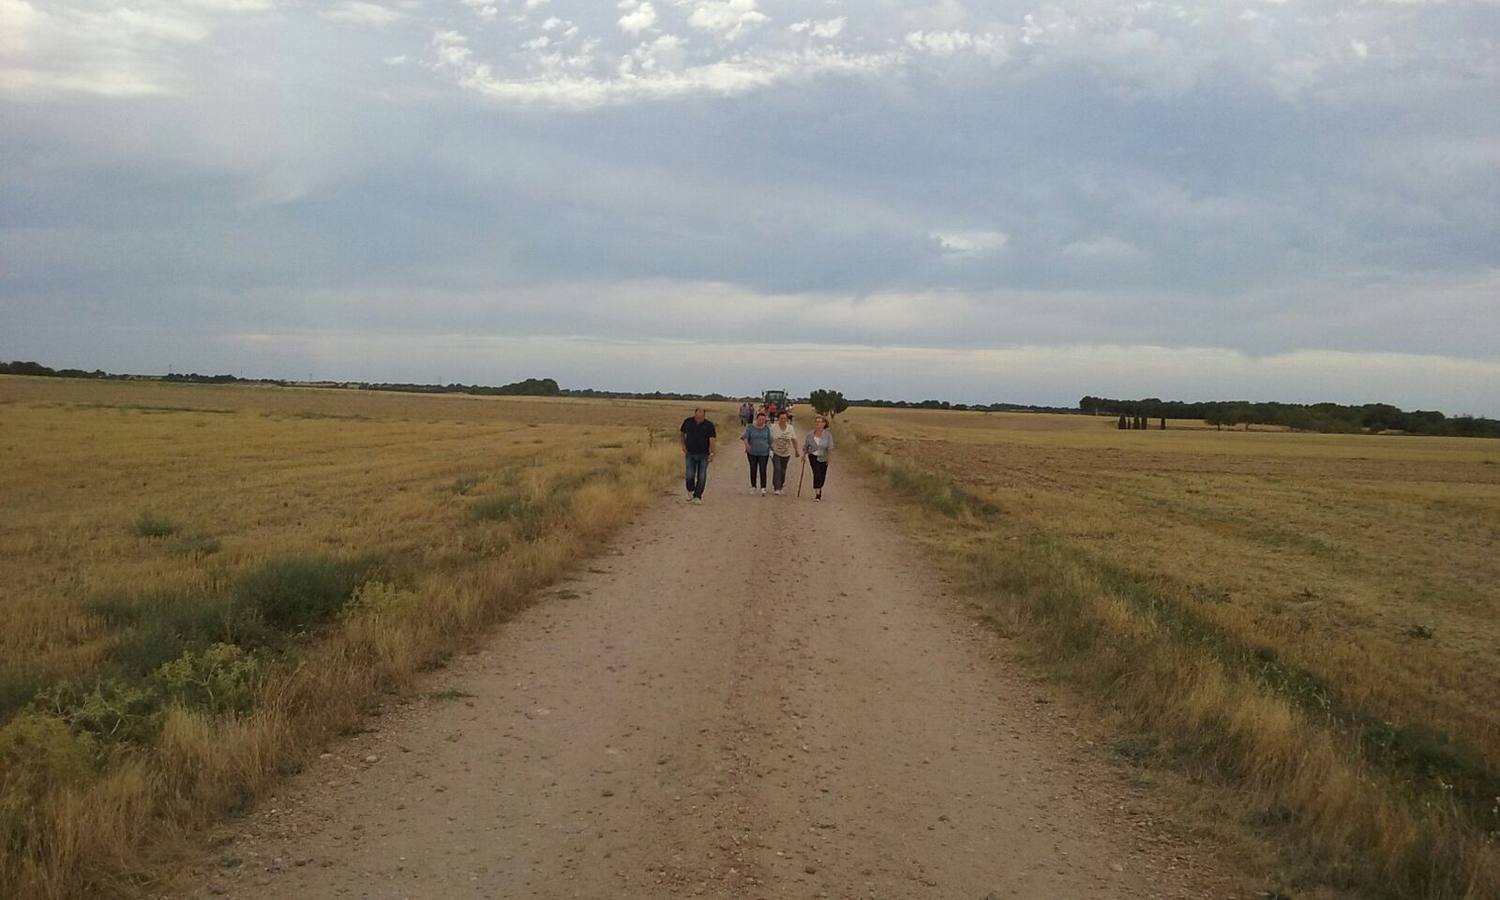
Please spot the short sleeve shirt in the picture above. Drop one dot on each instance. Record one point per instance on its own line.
(757, 440)
(697, 434)
(783, 440)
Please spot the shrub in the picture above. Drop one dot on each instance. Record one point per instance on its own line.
(163, 626)
(198, 546)
(293, 592)
(376, 597)
(151, 525)
(117, 610)
(109, 710)
(140, 651)
(499, 507)
(38, 754)
(221, 677)
(17, 687)
(526, 513)
(465, 483)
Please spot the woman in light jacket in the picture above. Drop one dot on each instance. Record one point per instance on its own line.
(817, 445)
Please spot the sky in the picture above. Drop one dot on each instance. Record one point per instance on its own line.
(1002, 201)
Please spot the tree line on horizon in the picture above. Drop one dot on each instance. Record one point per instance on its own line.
(1326, 418)
(533, 387)
(960, 407)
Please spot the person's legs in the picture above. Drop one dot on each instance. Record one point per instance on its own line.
(778, 472)
(758, 467)
(697, 474)
(690, 471)
(820, 472)
(751, 460)
(702, 476)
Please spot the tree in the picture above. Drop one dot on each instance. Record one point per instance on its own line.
(827, 403)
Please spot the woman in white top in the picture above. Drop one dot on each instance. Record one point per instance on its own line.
(816, 445)
(783, 447)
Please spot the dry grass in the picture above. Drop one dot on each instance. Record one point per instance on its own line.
(1308, 618)
(205, 581)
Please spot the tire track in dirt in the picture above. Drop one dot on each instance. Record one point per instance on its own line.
(687, 718)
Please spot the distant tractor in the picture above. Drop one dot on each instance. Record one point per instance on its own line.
(777, 401)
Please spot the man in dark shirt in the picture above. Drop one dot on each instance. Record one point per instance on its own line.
(699, 439)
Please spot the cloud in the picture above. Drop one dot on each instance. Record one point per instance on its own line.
(663, 53)
(728, 18)
(638, 16)
(963, 244)
(358, 12)
(1103, 250)
(739, 75)
(946, 178)
(111, 49)
(827, 28)
(485, 9)
(948, 43)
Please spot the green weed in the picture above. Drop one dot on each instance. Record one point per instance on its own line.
(499, 507)
(198, 546)
(151, 525)
(108, 709)
(221, 677)
(17, 687)
(294, 592)
(465, 483)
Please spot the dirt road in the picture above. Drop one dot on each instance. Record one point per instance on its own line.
(686, 718)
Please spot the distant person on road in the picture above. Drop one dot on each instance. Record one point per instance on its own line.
(816, 445)
(783, 448)
(757, 441)
(747, 412)
(699, 441)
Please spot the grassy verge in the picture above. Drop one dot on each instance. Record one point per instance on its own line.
(1375, 808)
(208, 697)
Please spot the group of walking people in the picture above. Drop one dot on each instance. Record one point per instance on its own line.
(767, 446)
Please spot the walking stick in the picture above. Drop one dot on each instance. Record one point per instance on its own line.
(802, 475)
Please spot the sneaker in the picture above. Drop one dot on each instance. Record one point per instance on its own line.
(818, 495)
(762, 492)
(698, 500)
(778, 492)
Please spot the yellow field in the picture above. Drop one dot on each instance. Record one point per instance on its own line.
(175, 553)
(1345, 584)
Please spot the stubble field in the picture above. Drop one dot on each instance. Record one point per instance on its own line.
(1310, 619)
(202, 582)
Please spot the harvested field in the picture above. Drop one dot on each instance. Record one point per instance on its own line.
(203, 580)
(1345, 581)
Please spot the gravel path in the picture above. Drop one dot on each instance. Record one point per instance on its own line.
(685, 719)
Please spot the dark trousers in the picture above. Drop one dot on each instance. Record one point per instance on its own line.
(758, 465)
(697, 473)
(820, 471)
(778, 471)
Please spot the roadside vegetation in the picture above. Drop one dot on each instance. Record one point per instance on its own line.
(1305, 625)
(207, 582)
